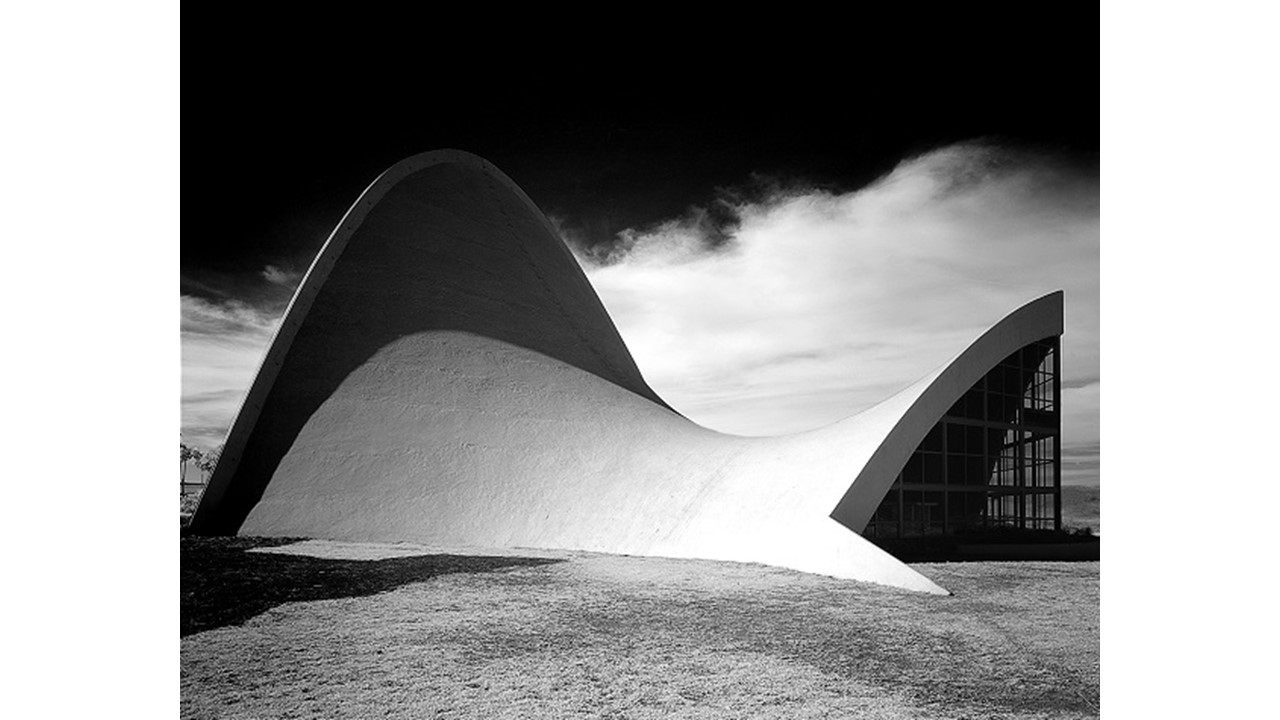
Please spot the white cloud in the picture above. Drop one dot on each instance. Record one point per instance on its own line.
(230, 320)
(817, 307)
(823, 304)
(283, 278)
(222, 345)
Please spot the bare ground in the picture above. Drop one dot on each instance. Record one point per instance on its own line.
(626, 637)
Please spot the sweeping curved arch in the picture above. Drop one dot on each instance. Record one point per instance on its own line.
(446, 374)
(919, 407)
(224, 504)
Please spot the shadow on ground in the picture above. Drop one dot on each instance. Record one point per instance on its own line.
(1002, 544)
(224, 585)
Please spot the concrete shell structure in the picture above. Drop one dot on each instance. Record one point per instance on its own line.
(445, 374)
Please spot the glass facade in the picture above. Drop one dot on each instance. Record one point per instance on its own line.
(992, 461)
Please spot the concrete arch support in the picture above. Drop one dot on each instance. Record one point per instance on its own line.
(446, 374)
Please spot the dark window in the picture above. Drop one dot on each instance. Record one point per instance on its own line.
(999, 464)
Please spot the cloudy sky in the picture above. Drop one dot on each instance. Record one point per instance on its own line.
(818, 304)
(780, 248)
(287, 123)
(777, 307)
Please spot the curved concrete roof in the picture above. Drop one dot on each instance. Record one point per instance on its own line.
(445, 374)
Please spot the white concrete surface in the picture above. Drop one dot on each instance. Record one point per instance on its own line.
(446, 376)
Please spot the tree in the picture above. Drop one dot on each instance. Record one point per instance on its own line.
(208, 462)
(188, 454)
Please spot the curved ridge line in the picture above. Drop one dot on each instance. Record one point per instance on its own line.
(264, 378)
(317, 274)
(554, 295)
(939, 390)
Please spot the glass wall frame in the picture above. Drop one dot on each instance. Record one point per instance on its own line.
(992, 461)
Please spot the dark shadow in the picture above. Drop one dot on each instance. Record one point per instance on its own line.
(224, 585)
(994, 544)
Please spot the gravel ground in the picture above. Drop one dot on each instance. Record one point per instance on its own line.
(270, 635)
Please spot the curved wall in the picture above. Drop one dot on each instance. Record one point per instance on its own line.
(916, 409)
(446, 374)
(442, 241)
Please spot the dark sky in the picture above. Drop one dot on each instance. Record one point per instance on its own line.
(282, 138)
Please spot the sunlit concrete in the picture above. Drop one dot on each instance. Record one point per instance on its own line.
(446, 375)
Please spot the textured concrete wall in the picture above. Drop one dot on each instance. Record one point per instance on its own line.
(447, 375)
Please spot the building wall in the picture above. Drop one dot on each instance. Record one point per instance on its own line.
(446, 375)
